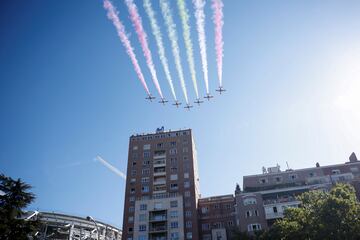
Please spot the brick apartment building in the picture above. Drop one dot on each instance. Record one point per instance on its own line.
(162, 196)
(265, 196)
(162, 187)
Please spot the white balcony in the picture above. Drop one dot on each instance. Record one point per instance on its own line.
(276, 210)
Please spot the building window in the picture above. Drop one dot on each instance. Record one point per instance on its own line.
(185, 150)
(173, 169)
(187, 193)
(256, 212)
(173, 151)
(133, 163)
(173, 177)
(188, 214)
(354, 169)
(146, 147)
(173, 214)
(248, 214)
(142, 228)
(204, 210)
(205, 226)
(131, 219)
(278, 179)
(132, 190)
(131, 209)
(293, 176)
(142, 217)
(144, 180)
(217, 206)
(173, 186)
(143, 207)
(187, 203)
(132, 199)
(174, 236)
(134, 156)
(158, 205)
(189, 235)
(335, 171)
(146, 154)
(173, 204)
(254, 227)
(135, 148)
(145, 171)
(146, 162)
(185, 158)
(133, 180)
(145, 189)
(160, 145)
(188, 224)
(186, 184)
(130, 229)
(312, 174)
(133, 173)
(174, 224)
(173, 161)
(263, 180)
(172, 144)
(206, 237)
(227, 206)
(249, 201)
(275, 209)
(230, 223)
(186, 175)
(142, 237)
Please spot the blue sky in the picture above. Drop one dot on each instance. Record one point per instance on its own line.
(68, 92)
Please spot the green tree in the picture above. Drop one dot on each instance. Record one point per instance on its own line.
(14, 197)
(333, 215)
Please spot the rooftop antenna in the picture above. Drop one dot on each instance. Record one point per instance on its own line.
(287, 165)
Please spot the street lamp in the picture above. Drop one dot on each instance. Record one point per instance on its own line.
(89, 218)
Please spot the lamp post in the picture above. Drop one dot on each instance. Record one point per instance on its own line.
(89, 218)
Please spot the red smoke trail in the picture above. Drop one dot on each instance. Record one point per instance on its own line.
(137, 23)
(217, 6)
(112, 15)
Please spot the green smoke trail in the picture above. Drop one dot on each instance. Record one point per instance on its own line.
(188, 44)
(159, 42)
(171, 29)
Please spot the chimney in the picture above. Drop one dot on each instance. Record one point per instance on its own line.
(353, 158)
(317, 164)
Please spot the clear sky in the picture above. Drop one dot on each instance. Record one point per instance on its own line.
(68, 92)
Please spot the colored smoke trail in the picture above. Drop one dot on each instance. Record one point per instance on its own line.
(159, 42)
(112, 15)
(188, 44)
(217, 6)
(137, 23)
(200, 25)
(171, 28)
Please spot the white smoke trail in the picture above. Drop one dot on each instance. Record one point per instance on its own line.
(111, 167)
(217, 6)
(200, 25)
(171, 29)
(188, 44)
(159, 42)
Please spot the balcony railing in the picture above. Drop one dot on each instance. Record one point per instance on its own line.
(157, 218)
(158, 229)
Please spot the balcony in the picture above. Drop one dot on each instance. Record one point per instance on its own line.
(157, 229)
(159, 182)
(276, 209)
(158, 218)
(159, 171)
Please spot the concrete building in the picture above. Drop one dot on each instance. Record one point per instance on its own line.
(58, 226)
(162, 187)
(216, 217)
(265, 196)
